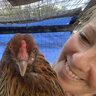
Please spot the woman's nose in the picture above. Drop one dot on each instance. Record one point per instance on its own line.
(85, 60)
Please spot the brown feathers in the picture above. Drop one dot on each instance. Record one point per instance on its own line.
(25, 72)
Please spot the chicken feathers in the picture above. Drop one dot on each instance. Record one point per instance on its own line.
(25, 72)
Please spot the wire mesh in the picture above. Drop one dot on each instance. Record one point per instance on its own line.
(50, 44)
(36, 11)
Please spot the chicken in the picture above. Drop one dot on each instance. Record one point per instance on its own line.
(25, 72)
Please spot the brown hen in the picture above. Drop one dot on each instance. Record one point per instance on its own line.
(25, 72)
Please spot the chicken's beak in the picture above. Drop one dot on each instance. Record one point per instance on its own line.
(22, 67)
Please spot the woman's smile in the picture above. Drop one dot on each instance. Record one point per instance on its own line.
(70, 73)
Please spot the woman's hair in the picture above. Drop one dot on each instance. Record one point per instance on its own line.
(84, 18)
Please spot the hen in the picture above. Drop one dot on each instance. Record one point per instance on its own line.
(25, 72)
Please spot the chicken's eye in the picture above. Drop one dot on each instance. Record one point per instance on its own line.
(10, 47)
(84, 37)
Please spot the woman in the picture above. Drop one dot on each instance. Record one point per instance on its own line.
(76, 66)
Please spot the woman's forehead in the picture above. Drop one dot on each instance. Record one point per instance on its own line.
(90, 28)
(90, 25)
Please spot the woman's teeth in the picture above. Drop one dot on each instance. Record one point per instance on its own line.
(70, 72)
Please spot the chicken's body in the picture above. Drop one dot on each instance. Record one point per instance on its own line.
(37, 79)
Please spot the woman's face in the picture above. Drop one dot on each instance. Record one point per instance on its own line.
(76, 66)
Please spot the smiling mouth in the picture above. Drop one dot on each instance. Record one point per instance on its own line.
(70, 73)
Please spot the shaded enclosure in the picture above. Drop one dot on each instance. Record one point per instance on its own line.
(50, 22)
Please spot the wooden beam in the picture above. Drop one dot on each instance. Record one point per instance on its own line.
(21, 2)
(35, 29)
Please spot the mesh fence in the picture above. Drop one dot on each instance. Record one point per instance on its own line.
(50, 44)
(36, 11)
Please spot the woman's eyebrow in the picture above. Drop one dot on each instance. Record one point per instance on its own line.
(91, 29)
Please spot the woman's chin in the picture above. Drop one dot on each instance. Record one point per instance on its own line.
(68, 83)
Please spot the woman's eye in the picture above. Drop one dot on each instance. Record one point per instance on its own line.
(84, 38)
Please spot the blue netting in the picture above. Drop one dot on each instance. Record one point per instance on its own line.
(49, 44)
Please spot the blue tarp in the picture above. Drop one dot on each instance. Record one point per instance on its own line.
(50, 44)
